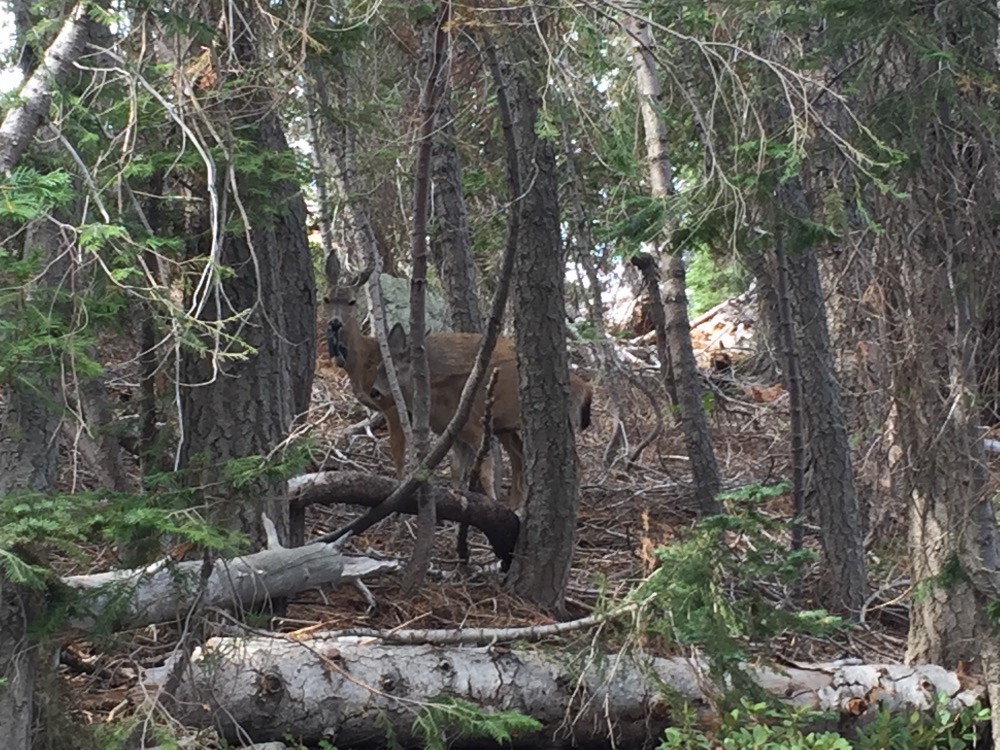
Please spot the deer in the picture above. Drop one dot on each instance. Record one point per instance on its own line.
(446, 386)
(450, 356)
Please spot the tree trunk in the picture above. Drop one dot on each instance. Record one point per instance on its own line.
(168, 590)
(30, 428)
(694, 424)
(18, 666)
(421, 404)
(938, 258)
(100, 431)
(29, 436)
(235, 408)
(767, 329)
(545, 547)
(320, 689)
(451, 251)
(336, 129)
(831, 488)
(23, 120)
(29, 414)
(452, 248)
(793, 384)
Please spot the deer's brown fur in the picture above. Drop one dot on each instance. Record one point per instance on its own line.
(450, 355)
(446, 383)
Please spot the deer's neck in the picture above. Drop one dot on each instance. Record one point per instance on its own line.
(363, 359)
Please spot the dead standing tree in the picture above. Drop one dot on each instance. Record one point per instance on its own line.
(697, 437)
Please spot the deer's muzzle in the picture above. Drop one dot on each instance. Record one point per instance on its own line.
(334, 345)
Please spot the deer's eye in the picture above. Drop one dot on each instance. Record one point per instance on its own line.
(352, 302)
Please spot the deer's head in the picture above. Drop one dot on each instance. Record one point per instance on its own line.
(341, 306)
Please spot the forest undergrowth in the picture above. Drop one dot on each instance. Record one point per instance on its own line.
(627, 510)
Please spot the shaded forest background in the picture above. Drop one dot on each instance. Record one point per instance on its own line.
(190, 189)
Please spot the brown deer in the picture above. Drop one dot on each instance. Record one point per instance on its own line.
(450, 356)
(446, 386)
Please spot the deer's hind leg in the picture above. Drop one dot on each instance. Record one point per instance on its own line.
(515, 451)
(463, 460)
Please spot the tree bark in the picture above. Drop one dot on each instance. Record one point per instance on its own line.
(30, 428)
(793, 383)
(421, 404)
(495, 520)
(321, 690)
(694, 424)
(233, 408)
(452, 245)
(23, 120)
(831, 485)
(767, 336)
(541, 564)
(31, 419)
(163, 591)
(937, 259)
(18, 665)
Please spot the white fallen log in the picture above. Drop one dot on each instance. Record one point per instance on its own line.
(166, 589)
(352, 691)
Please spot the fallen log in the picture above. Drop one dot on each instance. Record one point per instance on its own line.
(166, 590)
(358, 692)
(498, 522)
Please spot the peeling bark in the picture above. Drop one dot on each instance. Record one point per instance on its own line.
(352, 692)
(166, 590)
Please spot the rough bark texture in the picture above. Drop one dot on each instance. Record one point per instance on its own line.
(18, 667)
(29, 438)
(694, 424)
(29, 420)
(767, 328)
(233, 408)
(938, 258)
(831, 492)
(793, 384)
(452, 248)
(98, 437)
(323, 689)
(832, 487)
(30, 430)
(545, 548)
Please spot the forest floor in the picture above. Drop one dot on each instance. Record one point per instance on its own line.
(626, 510)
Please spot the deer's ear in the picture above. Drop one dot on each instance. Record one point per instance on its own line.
(397, 338)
